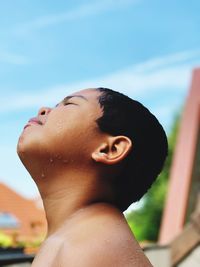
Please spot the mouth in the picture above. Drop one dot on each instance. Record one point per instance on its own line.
(32, 122)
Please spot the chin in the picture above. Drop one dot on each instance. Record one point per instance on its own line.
(21, 148)
(20, 144)
(26, 145)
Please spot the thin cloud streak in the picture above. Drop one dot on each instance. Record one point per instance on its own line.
(160, 62)
(167, 73)
(82, 11)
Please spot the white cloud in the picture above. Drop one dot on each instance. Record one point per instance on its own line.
(172, 72)
(168, 60)
(89, 9)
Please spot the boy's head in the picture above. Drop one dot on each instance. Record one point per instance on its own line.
(100, 132)
(124, 116)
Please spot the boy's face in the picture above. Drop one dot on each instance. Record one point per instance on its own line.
(66, 132)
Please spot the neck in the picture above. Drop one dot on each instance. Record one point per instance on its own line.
(66, 194)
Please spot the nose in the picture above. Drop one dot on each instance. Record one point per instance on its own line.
(44, 111)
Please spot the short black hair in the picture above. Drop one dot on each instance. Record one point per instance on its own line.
(125, 116)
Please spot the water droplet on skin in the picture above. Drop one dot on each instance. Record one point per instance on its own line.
(42, 175)
(51, 160)
(57, 156)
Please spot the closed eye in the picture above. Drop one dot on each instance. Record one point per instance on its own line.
(68, 103)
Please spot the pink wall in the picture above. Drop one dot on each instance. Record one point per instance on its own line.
(181, 171)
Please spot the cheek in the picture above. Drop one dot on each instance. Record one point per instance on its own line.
(67, 139)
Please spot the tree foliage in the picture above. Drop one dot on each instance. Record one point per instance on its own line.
(145, 221)
(5, 240)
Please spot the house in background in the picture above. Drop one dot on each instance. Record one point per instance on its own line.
(21, 218)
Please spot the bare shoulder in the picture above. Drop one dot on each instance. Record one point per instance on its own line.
(103, 240)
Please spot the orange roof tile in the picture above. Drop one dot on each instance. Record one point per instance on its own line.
(30, 215)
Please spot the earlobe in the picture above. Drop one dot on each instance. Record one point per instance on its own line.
(114, 151)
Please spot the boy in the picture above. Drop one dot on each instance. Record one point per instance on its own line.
(91, 156)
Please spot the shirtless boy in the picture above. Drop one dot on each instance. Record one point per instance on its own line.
(91, 156)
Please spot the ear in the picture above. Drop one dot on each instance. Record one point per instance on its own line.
(113, 150)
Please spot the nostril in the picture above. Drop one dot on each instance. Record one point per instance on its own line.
(44, 111)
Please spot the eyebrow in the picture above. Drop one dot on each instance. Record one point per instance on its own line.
(70, 96)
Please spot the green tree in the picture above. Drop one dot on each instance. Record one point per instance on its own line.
(145, 221)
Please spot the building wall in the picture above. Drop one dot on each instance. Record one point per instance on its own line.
(158, 256)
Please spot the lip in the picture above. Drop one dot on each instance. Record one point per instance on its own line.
(33, 121)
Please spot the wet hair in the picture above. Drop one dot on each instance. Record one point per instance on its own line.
(125, 116)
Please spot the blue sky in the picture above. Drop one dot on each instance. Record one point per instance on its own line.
(146, 49)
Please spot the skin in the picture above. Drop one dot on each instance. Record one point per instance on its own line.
(73, 164)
